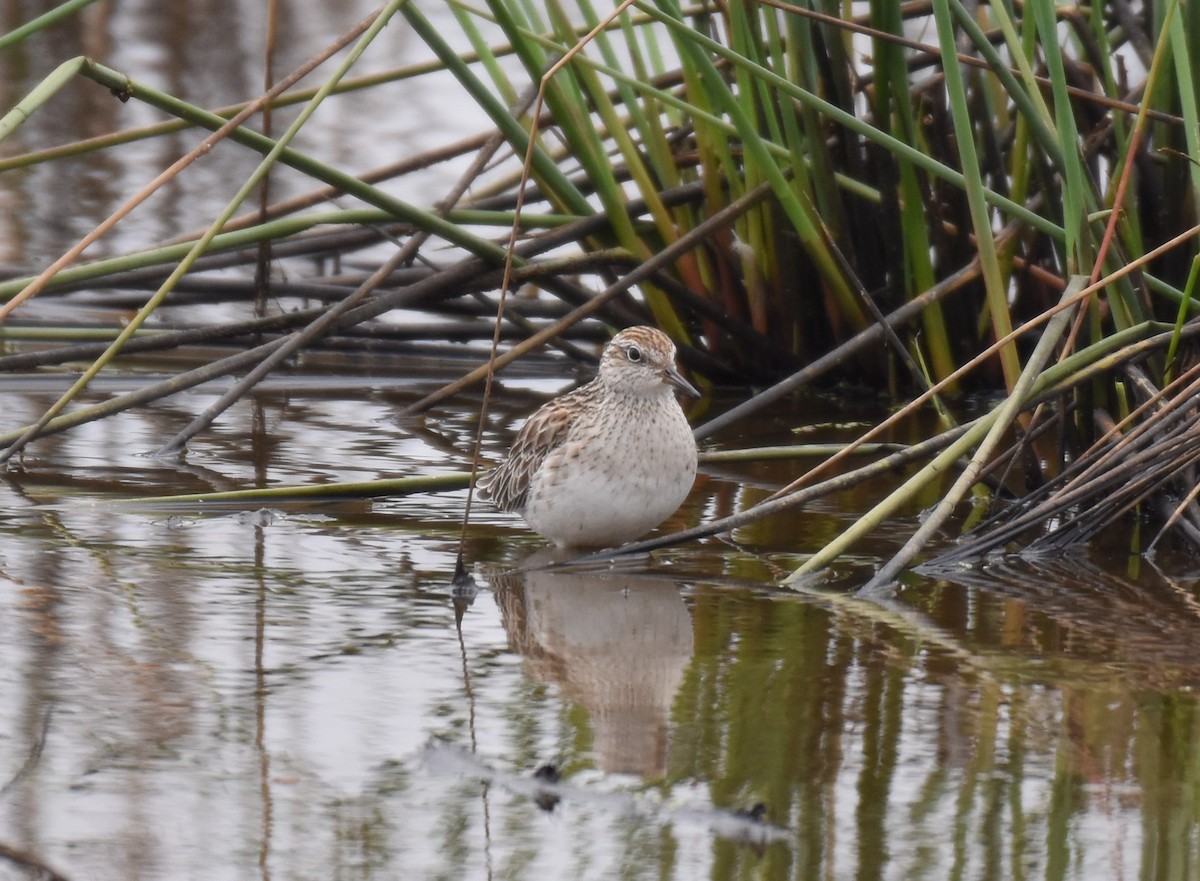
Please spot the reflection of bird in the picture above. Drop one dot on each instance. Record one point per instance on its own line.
(608, 461)
(614, 644)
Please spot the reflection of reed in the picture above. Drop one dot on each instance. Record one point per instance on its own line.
(616, 644)
(1090, 624)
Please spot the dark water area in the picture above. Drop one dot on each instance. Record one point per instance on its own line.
(299, 692)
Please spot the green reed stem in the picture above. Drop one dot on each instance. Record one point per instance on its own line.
(45, 20)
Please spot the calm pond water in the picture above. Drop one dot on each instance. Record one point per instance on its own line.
(299, 693)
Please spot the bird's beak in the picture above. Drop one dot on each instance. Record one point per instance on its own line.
(671, 376)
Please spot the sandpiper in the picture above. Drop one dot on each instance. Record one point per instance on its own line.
(609, 461)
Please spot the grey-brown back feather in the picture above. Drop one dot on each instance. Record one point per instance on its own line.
(507, 485)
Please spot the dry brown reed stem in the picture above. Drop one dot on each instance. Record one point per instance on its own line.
(692, 239)
(147, 394)
(1110, 231)
(527, 328)
(176, 167)
(170, 339)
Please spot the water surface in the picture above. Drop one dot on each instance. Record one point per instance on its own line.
(300, 693)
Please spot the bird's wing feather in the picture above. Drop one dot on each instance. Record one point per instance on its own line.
(507, 487)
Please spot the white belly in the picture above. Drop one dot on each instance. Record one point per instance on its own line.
(611, 488)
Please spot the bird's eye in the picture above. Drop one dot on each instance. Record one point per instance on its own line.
(633, 353)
